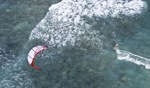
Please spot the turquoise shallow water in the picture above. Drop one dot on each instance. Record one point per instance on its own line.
(82, 65)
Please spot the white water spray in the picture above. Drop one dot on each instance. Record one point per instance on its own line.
(128, 56)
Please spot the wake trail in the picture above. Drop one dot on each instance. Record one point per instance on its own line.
(128, 56)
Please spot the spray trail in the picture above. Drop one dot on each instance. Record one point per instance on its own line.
(128, 56)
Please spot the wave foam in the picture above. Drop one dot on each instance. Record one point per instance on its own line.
(125, 55)
(99, 8)
(65, 20)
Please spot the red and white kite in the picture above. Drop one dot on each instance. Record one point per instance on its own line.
(33, 53)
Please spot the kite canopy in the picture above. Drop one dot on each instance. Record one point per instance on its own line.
(33, 53)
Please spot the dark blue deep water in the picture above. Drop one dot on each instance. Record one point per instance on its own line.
(84, 64)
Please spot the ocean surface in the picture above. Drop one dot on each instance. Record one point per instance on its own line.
(90, 43)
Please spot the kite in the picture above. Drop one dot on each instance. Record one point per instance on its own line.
(33, 53)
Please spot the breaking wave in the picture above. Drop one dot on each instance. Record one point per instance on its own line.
(66, 22)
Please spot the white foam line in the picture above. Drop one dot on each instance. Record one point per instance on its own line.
(128, 56)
